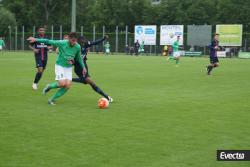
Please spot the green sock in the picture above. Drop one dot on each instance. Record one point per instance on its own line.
(53, 85)
(171, 57)
(59, 93)
(177, 61)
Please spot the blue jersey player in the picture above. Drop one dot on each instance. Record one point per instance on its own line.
(41, 56)
(85, 45)
(214, 61)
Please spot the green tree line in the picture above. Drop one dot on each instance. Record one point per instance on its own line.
(124, 12)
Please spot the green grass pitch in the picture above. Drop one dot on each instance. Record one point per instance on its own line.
(163, 116)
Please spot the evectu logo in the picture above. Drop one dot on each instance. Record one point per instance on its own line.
(233, 155)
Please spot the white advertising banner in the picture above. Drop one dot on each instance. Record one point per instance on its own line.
(221, 53)
(169, 34)
(146, 34)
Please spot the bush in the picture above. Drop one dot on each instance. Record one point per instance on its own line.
(6, 19)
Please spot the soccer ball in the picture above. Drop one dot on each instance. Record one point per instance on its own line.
(103, 103)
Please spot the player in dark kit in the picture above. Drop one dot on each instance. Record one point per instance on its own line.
(214, 61)
(41, 56)
(85, 44)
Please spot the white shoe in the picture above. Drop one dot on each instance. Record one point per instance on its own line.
(51, 102)
(46, 89)
(110, 99)
(34, 86)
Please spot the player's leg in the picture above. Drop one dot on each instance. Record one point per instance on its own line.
(39, 66)
(64, 84)
(177, 60)
(78, 71)
(214, 63)
(97, 89)
(171, 56)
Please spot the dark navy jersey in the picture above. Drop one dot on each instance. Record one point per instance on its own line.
(137, 45)
(43, 49)
(89, 44)
(213, 51)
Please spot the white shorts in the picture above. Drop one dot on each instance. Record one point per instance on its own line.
(63, 73)
(1, 47)
(176, 54)
(107, 50)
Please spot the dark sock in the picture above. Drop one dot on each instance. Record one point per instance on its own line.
(98, 90)
(209, 69)
(38, 77)
(77, 80)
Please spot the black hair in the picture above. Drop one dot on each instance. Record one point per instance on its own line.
(72, 35)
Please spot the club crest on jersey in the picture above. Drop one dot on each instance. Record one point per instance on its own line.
(42, 45)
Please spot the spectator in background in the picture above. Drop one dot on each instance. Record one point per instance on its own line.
(141, 49)
(165, 50)
(191, 49)
(2, 44)
(126, 49)
(170, 51)
(136, 48)
(107, 48)
(131, 50)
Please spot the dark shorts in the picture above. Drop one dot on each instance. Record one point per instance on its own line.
(41, 62)
(214, 59)
(78, 70)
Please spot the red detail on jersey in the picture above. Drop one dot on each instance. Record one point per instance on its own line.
(42, 53)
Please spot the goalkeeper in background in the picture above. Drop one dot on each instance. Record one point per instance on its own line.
(69, 50)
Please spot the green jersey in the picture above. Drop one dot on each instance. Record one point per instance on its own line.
(107, 46)
(66, 52)
(176, 46)
(2, 43)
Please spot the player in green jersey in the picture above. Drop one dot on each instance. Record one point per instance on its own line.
(2, 44)
(176, 54)
(107, 48)
(69, 50)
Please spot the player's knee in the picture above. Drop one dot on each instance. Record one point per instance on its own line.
(67, 85)
(62, 84)
(40, 70)
(83, 80)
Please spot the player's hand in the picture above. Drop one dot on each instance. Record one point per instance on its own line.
(216, 47)
(71, 62)
(106, 36)
(36, 50)
(84, 71)
(31, 39)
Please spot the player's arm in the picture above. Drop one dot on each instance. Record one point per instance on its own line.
(78, 58)
(56, 43)
(213, 46)
(31, 46)
(175, 46)
(98, 41)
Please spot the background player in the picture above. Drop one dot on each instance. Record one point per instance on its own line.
(41, 56)
(69, 50)
(107, 48)
(214, 61)
(85, 44)
(2, 44)
(176, 53)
